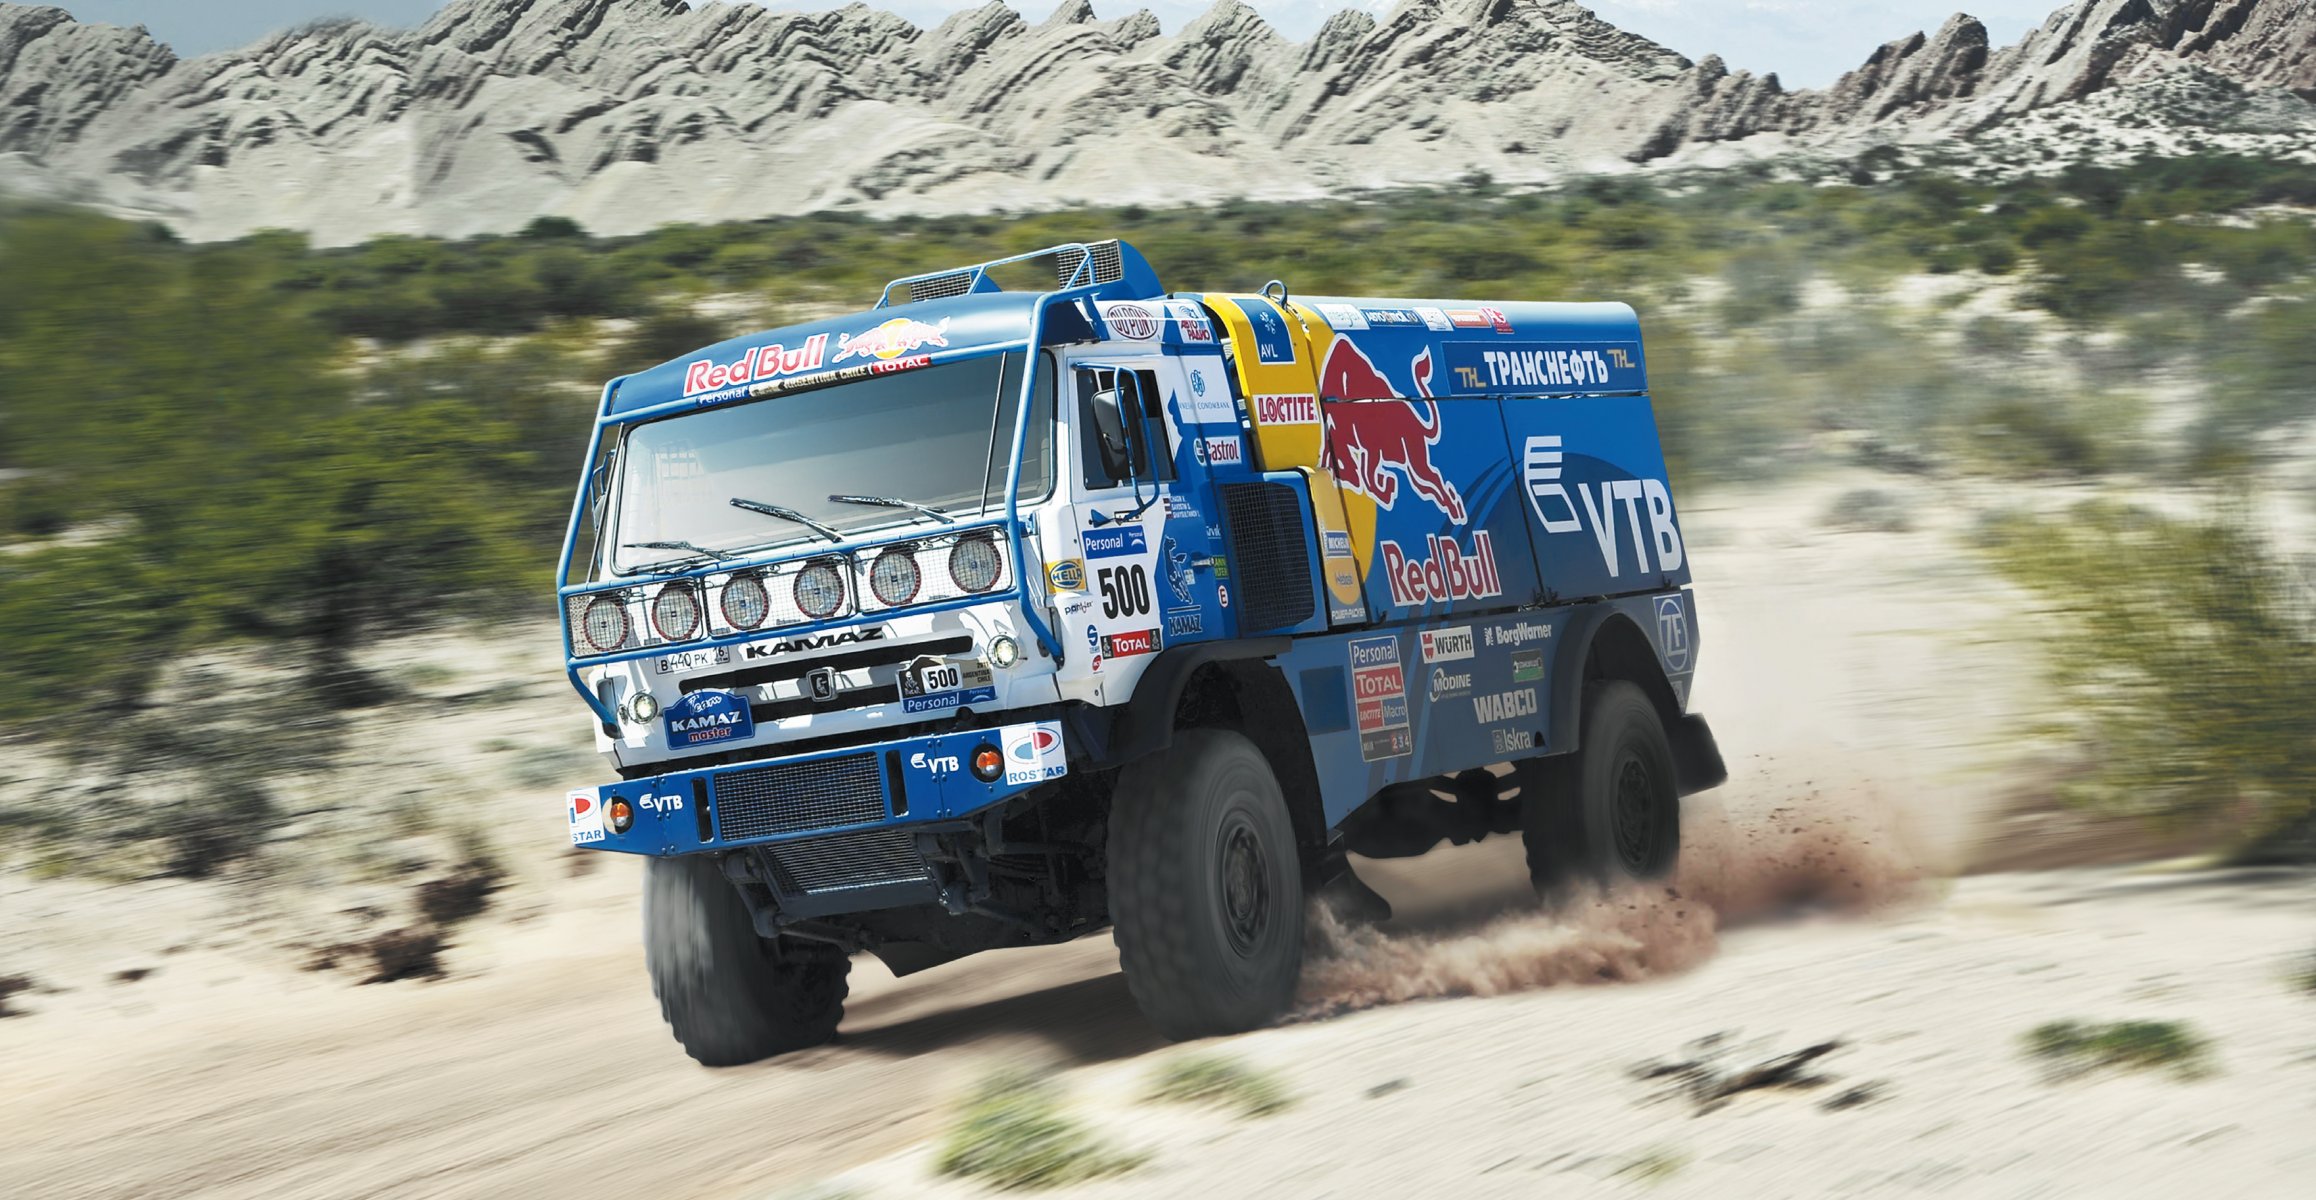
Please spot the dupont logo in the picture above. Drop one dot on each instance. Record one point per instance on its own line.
(1287, 410)
(1131, 321)
(1453, 644)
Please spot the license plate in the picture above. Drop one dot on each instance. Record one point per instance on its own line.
(692, 660)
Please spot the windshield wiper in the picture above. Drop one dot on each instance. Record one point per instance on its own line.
(896, 502)
(701, 551)
(787, 514)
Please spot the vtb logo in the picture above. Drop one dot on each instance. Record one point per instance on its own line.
(1594, 506)
(1367, 441)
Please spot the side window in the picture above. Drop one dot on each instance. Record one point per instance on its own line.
(1037, 447)
(1122, 427)
(1154, 424)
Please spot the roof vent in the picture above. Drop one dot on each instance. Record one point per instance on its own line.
(1108, 267)
(941, 287)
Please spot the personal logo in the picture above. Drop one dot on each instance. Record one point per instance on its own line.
(1673, 632)
(1130, 321)
(1068, 575)
(1116, 542)
(705, 718)
(894, 338)
(1595, 506)
(1367, 442)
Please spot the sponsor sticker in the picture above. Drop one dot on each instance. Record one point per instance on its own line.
(1673, 632)
(1272, 342)
(1210, 405)
(1527, 666)
(1179, 508)
(586, 814)
(1133, 642)
(1343, 316)
(1530, 367)
(1130, 321)
(1286, 410)
(1504, 706)
(760, 362)
(943, 701)
(929, 676)
(1034, 753)
(1116, 541)
(892, 339)
(1185, 622)
(1387, 317)
(755, 651)
(1338, 543)
(692, 660)
(1446, 572)
(1519, 633)
(1068, 575)
(1434, 319)
(1190, 322)
(1452, 644)
(705, 718)
(1221, 452)
(1446, 683)
(1379, 698)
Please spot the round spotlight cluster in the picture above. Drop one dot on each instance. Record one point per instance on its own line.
(675, 612)
(745, 602)
(604, 624)
(819, 590)
(975, 565)
(894, 576)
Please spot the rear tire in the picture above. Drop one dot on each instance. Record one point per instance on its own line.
(1611, 810)
(730, 996)
(1206, 886)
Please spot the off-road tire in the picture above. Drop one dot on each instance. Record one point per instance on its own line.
(1611, 810)
(730, 996)
(1206, 888)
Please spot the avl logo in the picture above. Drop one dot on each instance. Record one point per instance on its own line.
(1543, 460)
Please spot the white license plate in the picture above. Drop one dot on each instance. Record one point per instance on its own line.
(692, 660)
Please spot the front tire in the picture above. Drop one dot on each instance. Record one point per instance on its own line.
(1206, 886)
(729, 996)
(1611, 810)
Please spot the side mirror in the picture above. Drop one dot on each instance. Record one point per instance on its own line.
(1110, 431)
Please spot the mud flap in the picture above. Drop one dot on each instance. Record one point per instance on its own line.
(1696, 756)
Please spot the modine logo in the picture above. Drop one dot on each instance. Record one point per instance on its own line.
(841, 637)
(1447, 572)
(1542, 462)
(1504, 706)
(1449, 683)
(1452, 644)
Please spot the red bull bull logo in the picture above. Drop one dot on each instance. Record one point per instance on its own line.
(1371, 445)
(892, 339)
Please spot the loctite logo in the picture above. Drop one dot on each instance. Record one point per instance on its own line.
(1447, 572)
(1287, 410)
(763, 362)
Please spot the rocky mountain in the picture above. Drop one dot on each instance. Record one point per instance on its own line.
(626, 114)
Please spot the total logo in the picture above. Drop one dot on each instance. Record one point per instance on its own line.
(1595, 507)
(761, 362)
(892, 339)
(1287, 410)
(1446, 573)
(1367, 442)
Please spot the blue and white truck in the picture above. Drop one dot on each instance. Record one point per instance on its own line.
(998, 616)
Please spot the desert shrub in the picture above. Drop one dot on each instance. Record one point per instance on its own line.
(1211, 1079)
(2182, 652)
(2077, 1047)
(1013, 1133)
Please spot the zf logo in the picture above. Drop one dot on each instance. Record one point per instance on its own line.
(1673, 631)
(1125, 591)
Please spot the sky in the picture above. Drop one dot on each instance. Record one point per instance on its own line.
(1808, 43)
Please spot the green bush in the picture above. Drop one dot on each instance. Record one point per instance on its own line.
(1014, 1134)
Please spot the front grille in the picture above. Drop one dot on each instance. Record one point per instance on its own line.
(797, 706)
(1270, 566)
(852, 860)
(795, 797)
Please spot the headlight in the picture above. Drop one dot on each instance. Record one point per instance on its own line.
(894, 577)
(819, 590)
(974, 564)
(745, 602)
(676, 612)
(641, 708)
(1004, 652)
(604, 624)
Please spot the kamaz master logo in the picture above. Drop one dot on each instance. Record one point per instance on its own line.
(1594, 507)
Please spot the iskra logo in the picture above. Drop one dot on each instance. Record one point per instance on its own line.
(1595, 507)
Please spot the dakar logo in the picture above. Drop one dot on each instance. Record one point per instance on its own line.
(892, 339)
(1366, 440)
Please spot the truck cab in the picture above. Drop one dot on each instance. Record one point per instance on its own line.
(995, 617)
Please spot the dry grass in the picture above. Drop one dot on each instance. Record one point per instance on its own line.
(1211, 1079)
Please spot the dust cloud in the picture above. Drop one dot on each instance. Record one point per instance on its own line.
(1784, 862)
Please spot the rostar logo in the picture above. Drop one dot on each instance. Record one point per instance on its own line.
(1542, 462)
(1367, 441)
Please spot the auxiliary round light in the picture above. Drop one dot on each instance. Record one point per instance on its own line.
(676, 612)
(604, 624)
(745, 601)
(1004, 652)
(975, 565)
(819, 590)
(894, 577)
(988, 764)
(641, 708)
(619, 814)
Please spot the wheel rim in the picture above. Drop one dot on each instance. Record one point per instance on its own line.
(1246, 887)
(1636, 814)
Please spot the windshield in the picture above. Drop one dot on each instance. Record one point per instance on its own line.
(936, 436)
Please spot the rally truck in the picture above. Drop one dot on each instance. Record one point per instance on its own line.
(1000, 615)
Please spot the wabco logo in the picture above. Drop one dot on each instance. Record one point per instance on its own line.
(817, 642)
(1504, 706)
(1542, 461)
(1367, 441)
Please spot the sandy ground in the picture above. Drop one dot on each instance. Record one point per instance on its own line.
(1865, 691)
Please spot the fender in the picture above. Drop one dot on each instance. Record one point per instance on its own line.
(1627, 654)
(1146, 725)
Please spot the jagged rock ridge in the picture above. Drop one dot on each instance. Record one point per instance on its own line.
(629, 113)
